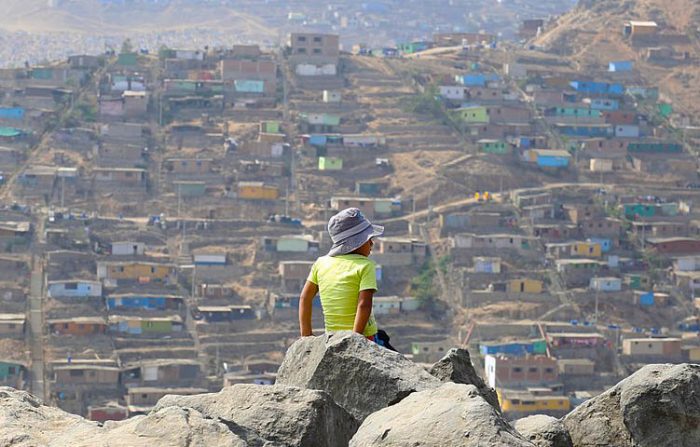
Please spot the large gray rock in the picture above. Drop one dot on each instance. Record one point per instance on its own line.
(360, 376)
(26, 421)
(456, 366)
(172, 427)
(657, 406)
(279, 415)
(450, 416)
(544, 431)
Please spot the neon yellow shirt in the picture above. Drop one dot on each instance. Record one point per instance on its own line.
(340, 280)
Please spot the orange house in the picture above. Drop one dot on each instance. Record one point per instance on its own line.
(80, 326)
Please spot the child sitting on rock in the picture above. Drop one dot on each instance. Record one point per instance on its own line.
(345, 278)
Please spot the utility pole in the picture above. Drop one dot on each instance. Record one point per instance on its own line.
(63, 190)
(286, 201)
(179, 199)
(597, 292)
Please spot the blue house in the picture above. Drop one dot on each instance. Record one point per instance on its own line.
(598, 88)
(12, 113)
(546, 158)
(646, 299)
(144, 302)
(605, 244)
(476, 79)
(74, 289)
(514, 348)
(620, 66)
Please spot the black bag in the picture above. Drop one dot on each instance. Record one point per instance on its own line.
(383, 340)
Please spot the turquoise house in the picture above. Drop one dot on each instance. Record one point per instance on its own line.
(494, 147)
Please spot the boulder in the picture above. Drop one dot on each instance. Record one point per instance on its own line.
(456, 366)
(451, 415)
(26, 421)
(278, 415)
(544, 431)
(360, 376)
(172, 427)
(659, 405)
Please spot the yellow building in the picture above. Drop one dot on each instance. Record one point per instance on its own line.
(525, 285)
(525, 402)
(135, 271)
(257, 191)
(588, 249)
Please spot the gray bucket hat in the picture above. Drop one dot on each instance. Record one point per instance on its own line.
(349, 230)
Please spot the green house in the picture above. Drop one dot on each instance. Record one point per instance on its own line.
(539, 346)
(633, 210)
(190, 188)
(637, 281)
(9, 132)
(473, 114)
(494, 147)
(42, 73)
(127, 59)
(10, 370)
(156, 326)
(294, 243)
(330, 163)
(270, 126)
(655, 147)
(665, 109)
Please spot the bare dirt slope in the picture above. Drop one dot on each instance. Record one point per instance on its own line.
(591, 36)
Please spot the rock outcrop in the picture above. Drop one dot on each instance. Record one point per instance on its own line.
(452, 415)
(659, 405)
(342, 382)
(172, 427)
(26, 421)
(457, 367)
(544, 431)
(360, 376)
(277, 415)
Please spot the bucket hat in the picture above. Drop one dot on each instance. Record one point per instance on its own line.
(349, 230)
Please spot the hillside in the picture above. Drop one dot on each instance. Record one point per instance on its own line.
(591, 35)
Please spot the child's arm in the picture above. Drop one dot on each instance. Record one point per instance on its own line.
(305, 307)
(364, 310)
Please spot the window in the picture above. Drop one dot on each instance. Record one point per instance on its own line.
(301, 39)
(11, 326)
(153, 269)
(144, 396)
(317, 39)
(549, 370)
(425, 349)
(317, 51)
(76, 373)
(11, 371)
(128, 174)
(517, 369)
(71, 286)
(532, 369)
(301, 51)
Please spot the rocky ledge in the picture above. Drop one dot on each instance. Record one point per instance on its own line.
(340, 389)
